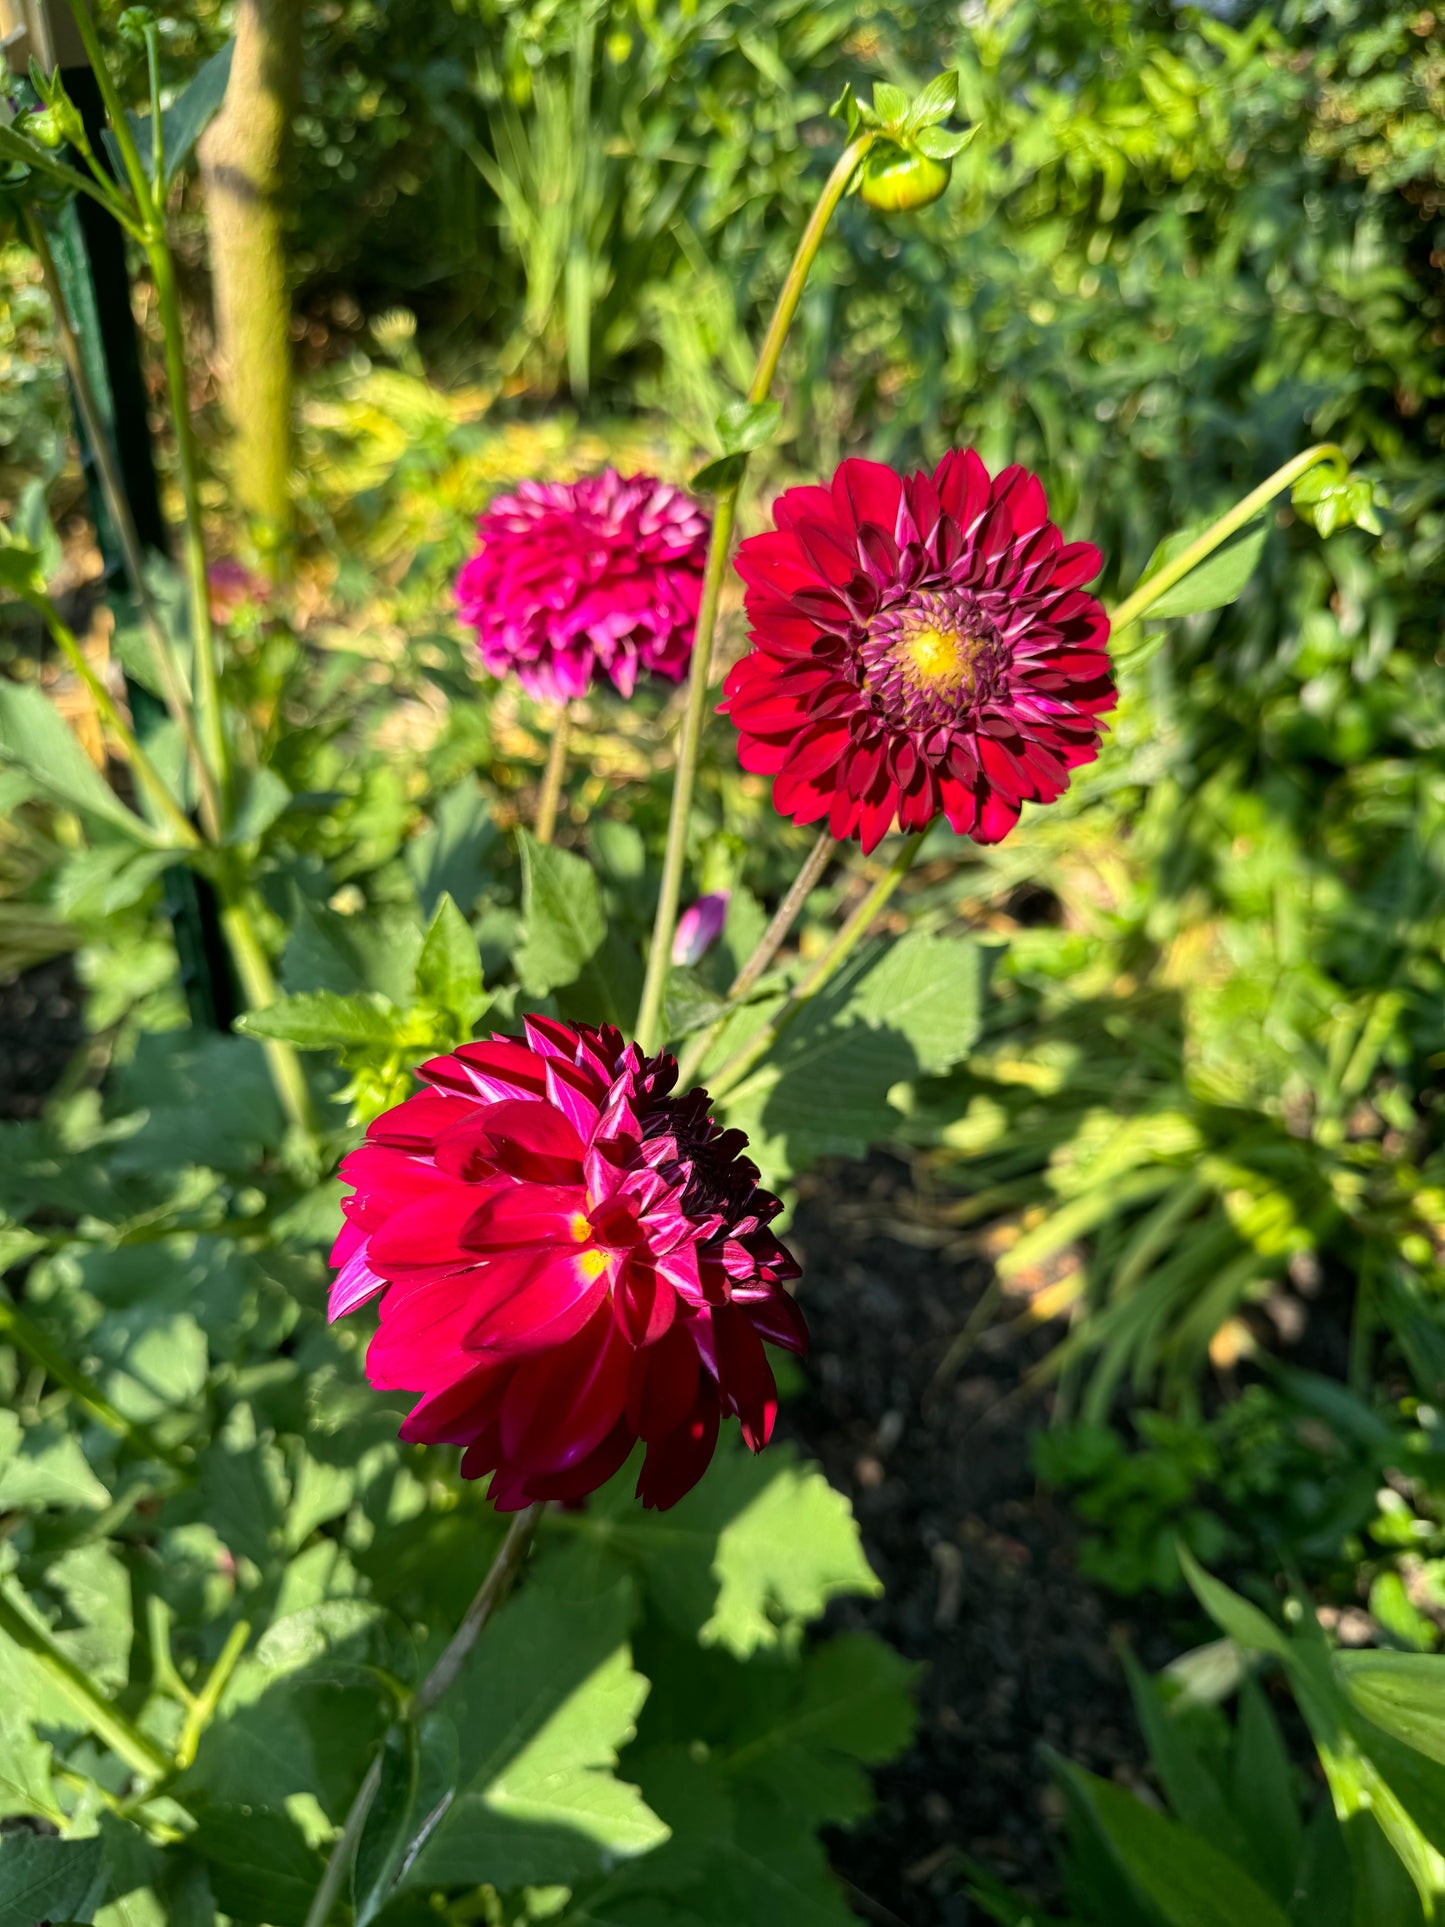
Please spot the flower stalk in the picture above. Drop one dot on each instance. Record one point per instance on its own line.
(492, 1595)
(649, 1018)
(1243, 512)
(730, 1077)
(550, 795)
(768, 945)
(258, 983)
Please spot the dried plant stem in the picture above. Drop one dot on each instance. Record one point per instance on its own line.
(659, 956)
(784, 917)
(168, 672)
(550, 795)
(1243, 512)
(499, 1581)
(833, 958)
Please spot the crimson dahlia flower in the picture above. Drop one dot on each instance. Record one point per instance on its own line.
(572, 1258)
(920, 644)
(576, 577)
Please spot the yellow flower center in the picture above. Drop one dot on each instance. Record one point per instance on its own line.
(941, 658)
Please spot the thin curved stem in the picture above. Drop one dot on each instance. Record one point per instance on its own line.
(168, 671)
(115, 110)
(1243, 512)
(550, 795)
(784, 917)
(833, 958)
(501, 1577)
(659, 956)
(146, 773)
(15, 147)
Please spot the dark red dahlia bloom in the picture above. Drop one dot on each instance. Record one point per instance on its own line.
(920, 644)
(573, 1259)
(573, 578)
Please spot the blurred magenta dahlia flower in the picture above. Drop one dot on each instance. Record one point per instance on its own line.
(920, 644)
(573, 1258)
(576, 577)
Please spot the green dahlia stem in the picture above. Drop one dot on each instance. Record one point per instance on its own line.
(731, 1075)
(550, 794)
(659, 958)
(168, 672)
(126, 1741)
(201, 1709)
(258, 983)
(784, 917)
(501, 1577)
(1243, 512)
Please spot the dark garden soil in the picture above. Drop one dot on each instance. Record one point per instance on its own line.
(977, 1562)
(40, 1030)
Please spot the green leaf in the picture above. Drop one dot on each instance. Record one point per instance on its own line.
(1263, 1793)
(1245, 1624)
(43, 1879)
(936, 102)
(746, 425)
(1217, 580)
(20, 570)
(900, 1011)
(449, 969)
(44, 1465)
(25, 1771)
(266, 798)
(451, 855)
(719, 475)
(941, 145)
(1191, 1789)
(562, 921)
(418, 1778)
(890, 103)
(752, 1553)
(324, 1020)
(190, 114)
(260, 1865)
(34, 738)
(1402, 1692)
(542, 1707)
(1188, 1882)
(95, 1586)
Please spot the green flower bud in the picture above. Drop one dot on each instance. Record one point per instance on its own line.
(896, 182)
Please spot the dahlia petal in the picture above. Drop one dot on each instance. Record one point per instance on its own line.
(644, 1301)
(352, 1286)
(866, 492)
(778, 1319)
(532, 1141)
(555, 1302)
(426, 1236)
(561, 1404)
(996, 817)
(522, 1215)
(675, 1462)
(417, 1122)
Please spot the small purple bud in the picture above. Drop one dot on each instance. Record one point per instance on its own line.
(699, 927)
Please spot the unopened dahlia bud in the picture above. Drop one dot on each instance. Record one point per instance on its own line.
(699, 927)
(897, 182)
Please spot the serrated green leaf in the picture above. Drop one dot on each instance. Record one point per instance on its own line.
(325, 1020)
(44, 1465)
(34, 738)
(936, 102)
(1219, 578)
(541, 1710)
(903, 1010)
(44, 1879)
(418, 1779)
(890, 103)
(746, 425)
(95, 1586)
(449, 969)
(25, 1771)
(752, 1553)
(562, 921)
(452, 854)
